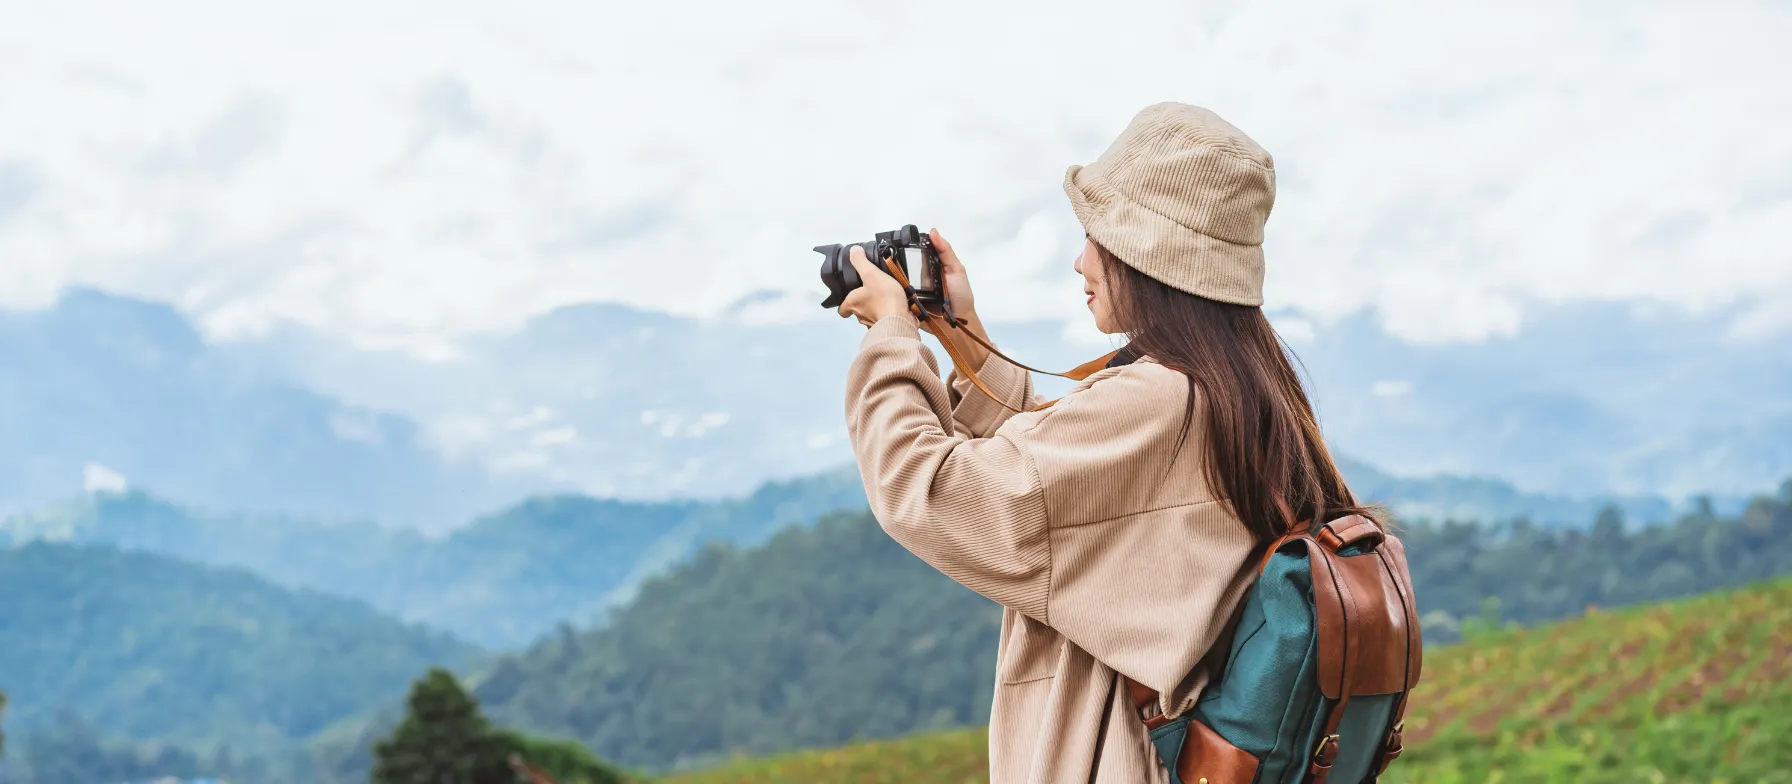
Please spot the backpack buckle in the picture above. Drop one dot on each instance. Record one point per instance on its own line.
(1326, 752)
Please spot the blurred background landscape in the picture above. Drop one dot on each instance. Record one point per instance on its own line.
(442, 361)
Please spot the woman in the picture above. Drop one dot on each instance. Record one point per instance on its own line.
(1117, 528)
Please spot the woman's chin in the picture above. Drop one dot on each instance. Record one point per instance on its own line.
(1101, 324)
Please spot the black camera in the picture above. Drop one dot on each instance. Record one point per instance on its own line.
(907, 247)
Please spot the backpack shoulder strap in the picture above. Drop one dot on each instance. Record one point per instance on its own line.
(1365, 620)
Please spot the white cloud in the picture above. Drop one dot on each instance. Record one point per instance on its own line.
(1293, 329)
(1391, 388)
(521, 462)
(407, 172)
(554, 437)
(455, 434)
(536, 415)
(709, 421)
(99, 478)
(357, 425)
(674, 425)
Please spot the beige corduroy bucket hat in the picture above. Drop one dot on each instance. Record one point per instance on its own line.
(1181, 196)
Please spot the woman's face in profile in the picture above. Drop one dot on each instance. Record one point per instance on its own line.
(1100, 300)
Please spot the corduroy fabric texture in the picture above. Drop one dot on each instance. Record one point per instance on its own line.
(1181, 196)
(1099, 538)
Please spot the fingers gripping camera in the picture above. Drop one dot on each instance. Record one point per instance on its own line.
(908, 248)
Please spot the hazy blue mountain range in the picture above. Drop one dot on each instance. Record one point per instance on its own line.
(506, 578)
(143, 646)
(1585, 399)
(101, 387)
(1592, 398)
(605, 400)
(501, 580)
(608, 400)
(1462, 498)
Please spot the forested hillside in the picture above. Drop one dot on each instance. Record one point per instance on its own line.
(1524, 573)
(140, 646)
(501, 581)
(824, 634)
(834, 632)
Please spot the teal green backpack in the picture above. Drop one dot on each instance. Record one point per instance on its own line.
(1325, 650)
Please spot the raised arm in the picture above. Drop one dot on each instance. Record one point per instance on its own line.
(972, 508)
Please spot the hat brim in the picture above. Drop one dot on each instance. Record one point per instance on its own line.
(1167, 251)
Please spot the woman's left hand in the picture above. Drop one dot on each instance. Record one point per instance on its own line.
(879, 295)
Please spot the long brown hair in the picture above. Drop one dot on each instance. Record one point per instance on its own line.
(1264, 450)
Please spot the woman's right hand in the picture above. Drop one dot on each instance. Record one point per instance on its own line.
(958, 289)
(958, 284)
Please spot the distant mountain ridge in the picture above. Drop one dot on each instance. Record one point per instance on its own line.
(501, 581)
(506, 578)
(605, 400)
(1464, 498)
(124, 390)
(1586, 399)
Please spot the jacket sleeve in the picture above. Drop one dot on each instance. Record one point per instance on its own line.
(984, 510)
(972, 508)
(976, 414)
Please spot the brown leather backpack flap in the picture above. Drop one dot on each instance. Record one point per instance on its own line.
(1208, 757)
(1368, 636)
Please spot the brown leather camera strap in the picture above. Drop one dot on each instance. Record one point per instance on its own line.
(1077, 373)
(943, 329)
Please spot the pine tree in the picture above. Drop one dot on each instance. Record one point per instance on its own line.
(444, 739)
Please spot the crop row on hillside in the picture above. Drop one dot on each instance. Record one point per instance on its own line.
(1610, 668)
(959, 757)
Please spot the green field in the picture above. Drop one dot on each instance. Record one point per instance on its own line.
(1696, 690)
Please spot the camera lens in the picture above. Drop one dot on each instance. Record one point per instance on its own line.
(837, 273)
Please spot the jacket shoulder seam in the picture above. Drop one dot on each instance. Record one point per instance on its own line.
(1118, 517)
(1097, 379)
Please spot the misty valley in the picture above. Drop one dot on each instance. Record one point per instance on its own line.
(258, 561)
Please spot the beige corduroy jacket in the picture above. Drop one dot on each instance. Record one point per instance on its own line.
(1102, 542)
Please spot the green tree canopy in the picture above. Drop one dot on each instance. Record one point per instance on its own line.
(443, 739)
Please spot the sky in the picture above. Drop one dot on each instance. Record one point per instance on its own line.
(408, 173)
